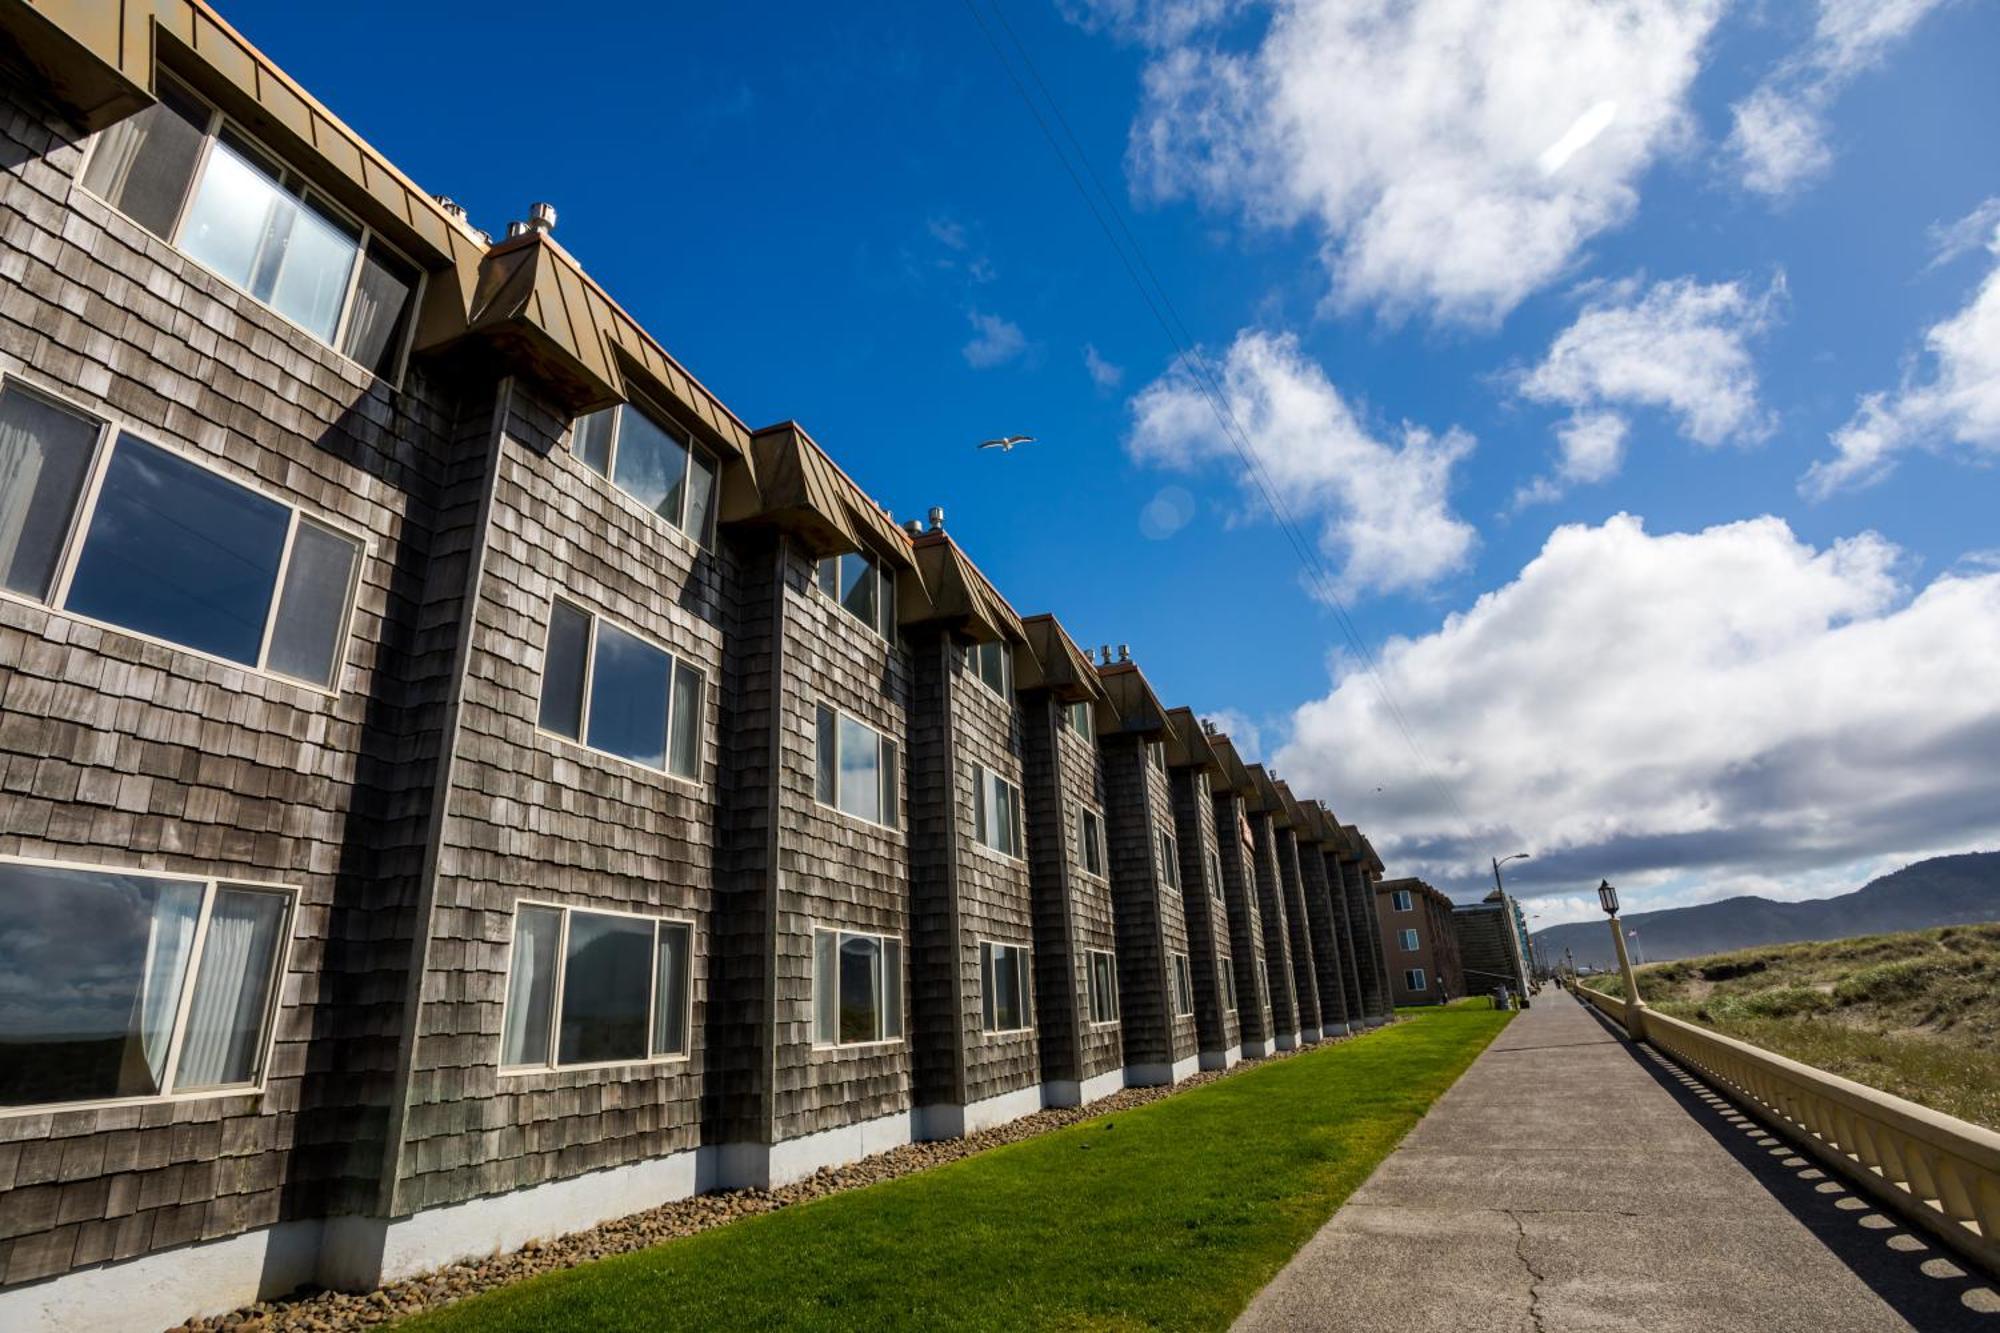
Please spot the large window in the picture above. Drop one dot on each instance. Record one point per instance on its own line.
(1215, 875)
(865, 587)
(1090, 839)
(1183, 986)
(1170, 861)
(1077, 717)
(611, 690)
(118, 984)
(189, 176)
(1156, 755)
(1409, 941)
(996, 812)
(653, 462)
(1415, 980)
(1226, 973)
(855, 768)
(857, 988)
(993, 664)
(103, 524)
(1401, 900)
(1102, 986)
(1005, 986)
(595, 988)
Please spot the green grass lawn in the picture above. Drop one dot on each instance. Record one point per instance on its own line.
(1171, 1215)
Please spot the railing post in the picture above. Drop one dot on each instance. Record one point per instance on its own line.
(1635, 1020)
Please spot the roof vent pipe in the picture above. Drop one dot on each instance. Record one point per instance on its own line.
(915, 527)
(1124, 652)
(542, 218)
(937, 518)
(1104, 655)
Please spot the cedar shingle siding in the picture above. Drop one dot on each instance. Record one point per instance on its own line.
(419, 801)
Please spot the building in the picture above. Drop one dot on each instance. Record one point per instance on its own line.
(1490, 947)
(1420, 941)
(462, 783)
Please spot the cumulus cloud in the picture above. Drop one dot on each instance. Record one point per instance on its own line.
(1778, 138)
(1949, 401)
(1452, 155)
(1679, 346)
(1697, 706)
(995, 341)
(1383, 505)
(1151, 22)
(1102, 373)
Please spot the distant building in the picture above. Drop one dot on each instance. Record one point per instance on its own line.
(1419, 942)
(1491, 944)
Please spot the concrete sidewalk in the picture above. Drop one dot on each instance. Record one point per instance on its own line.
(1569, 1181)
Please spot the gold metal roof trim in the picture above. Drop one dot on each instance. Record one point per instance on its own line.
(1265, 797)
(801, 489)
(1056, 663)
(1235, 773)
(1189, 746)
(1131, 695)
(958, 593)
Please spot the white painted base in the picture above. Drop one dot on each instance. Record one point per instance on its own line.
(1309, 1036)
(955, 1122)
(1222, 1059)
(1288, 1041)
(1160, 1074)
(1255, 1050)
(1332, 1030)
(770, 1165)
(1069, 1092)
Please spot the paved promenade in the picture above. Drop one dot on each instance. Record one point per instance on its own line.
(1571, 1181)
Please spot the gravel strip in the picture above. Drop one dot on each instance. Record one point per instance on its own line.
(334, 1312)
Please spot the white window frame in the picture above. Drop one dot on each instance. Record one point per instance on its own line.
(1402, 900)
(1169, 849)
(218, 120)
(1226, 977)
(986, 945)
(109, 433)
(1068, 719)
(556, 995)
(1183, 975)
(841, 933)
(1090, 957)
(671, 423)
(675, 661)
(885, 591)
(267, 1040)
(1215, 874)
(1156, 755)
(1410, 941)
(1083, 844)
(968, 661)
(1415, 981)
(881, 738)
(1017, 814)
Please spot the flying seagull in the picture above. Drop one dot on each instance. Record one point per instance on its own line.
(1005, 444)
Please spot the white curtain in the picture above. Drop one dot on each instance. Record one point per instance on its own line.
(231, 990)
(169, 937)
(524, 1038)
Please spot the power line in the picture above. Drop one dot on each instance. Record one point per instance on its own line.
(1197, 367)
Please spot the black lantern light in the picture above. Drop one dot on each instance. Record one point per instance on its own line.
(1607, 897)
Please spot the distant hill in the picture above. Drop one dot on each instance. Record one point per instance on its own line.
(1943, 891)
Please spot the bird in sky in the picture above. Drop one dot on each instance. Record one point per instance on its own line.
(1005, 444)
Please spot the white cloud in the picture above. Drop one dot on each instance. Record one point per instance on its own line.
(1245, 732)
(1678, 346)
(1151, 22)
(995, 342)
(1779, 134)
(947, 232)
(1725, 702)
(1951, 403)
(1102, 373)
(1453, 155)
(1383, 507)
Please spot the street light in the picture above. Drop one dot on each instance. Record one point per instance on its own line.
(1527, 945)
(1607, 898)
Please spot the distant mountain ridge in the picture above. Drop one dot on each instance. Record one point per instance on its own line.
(1942, 891)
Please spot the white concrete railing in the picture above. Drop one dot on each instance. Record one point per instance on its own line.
(1936, 1171)
(1612, 1007)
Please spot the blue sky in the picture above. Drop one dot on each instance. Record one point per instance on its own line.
(1422, 243)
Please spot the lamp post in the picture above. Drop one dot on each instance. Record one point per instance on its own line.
(1607, 898)
(1527, 945)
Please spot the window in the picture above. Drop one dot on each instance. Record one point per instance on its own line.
(1215, 875)
(1170, 861)
(1005, 985)
(1156, 755)
(656, 464)
(185, 173)
(1226, 972)
(1400, 900)
(1077, 717)
(992, 663)
(857, 988)
(996, 812)
(595, 988)
(118, 984)
(1409, 939)
(1090, 839)
(855, 769)
(1183, 986)
(612, 691)
(865, 587)
(1415, 980)
(1103, 986)
(166, 548)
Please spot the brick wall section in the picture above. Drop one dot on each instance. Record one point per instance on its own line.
(118, 751)
(1325, 950)
(994, 898)
(1271, 917)
(1298, 934)
(1246, 932)
(1205, 909)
